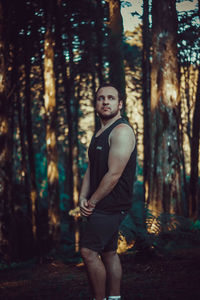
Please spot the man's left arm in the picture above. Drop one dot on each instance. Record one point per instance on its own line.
(121, 146)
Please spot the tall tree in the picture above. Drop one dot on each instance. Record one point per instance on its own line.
(188, 44)
(165, 185)
(100, 39)
(115, 24)
(4, 136)
(33, 209)
(194, 157)
(27, 28)
(51, 135)
(146, 92)
(68, 73)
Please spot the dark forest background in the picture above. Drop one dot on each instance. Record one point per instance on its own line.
(53, 56)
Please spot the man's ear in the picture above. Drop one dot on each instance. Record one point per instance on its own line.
(120, 104)
(96, 112)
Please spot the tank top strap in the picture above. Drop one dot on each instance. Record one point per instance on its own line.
(112, 126)
(117, 122)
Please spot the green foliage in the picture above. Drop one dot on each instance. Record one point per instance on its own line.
(41, 165)
(42, 183)
(175, 232)
(64, 197)
(195, 225)
(188, 36)
(132, 55)
(164, 233)
(63, 202)
(83, 160)
(133, 225)
(17, 265)
(41, 174)
(81, 38)
(126, 4)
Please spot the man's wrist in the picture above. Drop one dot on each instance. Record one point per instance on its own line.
(92, 203)
(81, 198)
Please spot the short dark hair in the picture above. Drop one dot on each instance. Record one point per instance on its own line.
(106, 84)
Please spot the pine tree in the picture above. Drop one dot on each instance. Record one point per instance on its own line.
(165, 185)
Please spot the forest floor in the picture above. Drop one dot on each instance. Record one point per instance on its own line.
(173, 276)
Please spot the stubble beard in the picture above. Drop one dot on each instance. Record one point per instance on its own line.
(107, 117)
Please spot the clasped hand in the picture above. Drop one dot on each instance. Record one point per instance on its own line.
(86, 207)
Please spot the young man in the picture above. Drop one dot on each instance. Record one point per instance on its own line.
(106, 193)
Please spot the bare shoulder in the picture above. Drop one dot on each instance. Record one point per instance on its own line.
(123, 130)
(123, 133)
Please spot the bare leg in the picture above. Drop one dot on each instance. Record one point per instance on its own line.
(96, 272)
(113, 271)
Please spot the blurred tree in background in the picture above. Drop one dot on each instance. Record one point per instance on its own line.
(164, 171)
(53, 56)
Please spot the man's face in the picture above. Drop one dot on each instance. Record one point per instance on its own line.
(108, 104)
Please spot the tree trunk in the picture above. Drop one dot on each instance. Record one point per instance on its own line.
(51, 140)
(4, 145)
(67, 96)
(72, 106)
(100, 40)
(165, 186)
(117, 74)
(19, 109)
(194, 160)
(146, 95)
(33, 213)
(94, 88)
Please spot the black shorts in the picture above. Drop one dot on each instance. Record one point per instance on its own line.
(100, 231)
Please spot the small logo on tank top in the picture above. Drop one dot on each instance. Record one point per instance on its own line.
(99, 148)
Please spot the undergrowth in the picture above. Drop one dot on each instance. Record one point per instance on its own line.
(163, 233)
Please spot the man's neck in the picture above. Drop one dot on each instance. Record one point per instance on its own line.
(107, 123)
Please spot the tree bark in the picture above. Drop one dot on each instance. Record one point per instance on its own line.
(115, 24)
(51, 139)
(67, 87)
(33, 213)
(4, 144)
(165, 185)
(100, 40)
(72, 108)
(194, 159)
(146, 95)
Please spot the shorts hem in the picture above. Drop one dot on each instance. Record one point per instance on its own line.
(97, 250)
(91, 248)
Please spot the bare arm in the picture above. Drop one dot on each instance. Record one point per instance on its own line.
(85, 188)
(84, 193)
(121, 146)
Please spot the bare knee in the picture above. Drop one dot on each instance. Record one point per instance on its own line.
(109, 255)
(85, 252)
(88, 255)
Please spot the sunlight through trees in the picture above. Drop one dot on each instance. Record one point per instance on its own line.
(53, 57)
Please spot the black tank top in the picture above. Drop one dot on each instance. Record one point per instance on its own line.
(120, 198)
